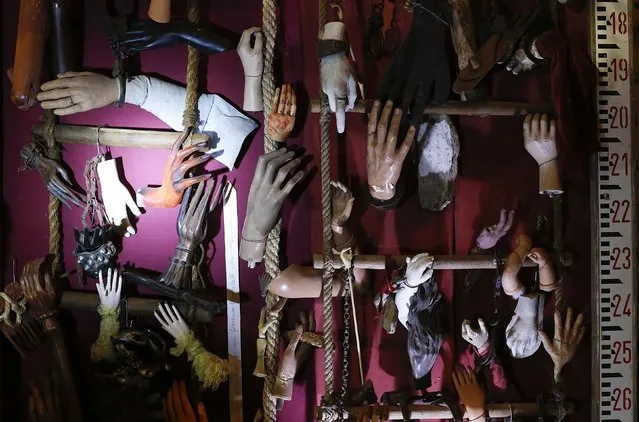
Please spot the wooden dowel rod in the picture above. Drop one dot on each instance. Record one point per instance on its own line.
(442, 262)
(138, 306)
(466, 108)
(494, 410)
(117, 137)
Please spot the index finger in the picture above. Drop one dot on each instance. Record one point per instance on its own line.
(408, 142)
(382, 126)
(391, 137)
(526, 126)
(260, 167)
(372, 123)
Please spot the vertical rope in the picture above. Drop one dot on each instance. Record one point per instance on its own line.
(55, 215)
(191, 116)
(271, 255)
(327, 234)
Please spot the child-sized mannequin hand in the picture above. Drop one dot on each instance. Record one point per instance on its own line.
(177, 406)
(116, 197)
(253, 64)
(541, 143)
(471, 393)
(567, 337)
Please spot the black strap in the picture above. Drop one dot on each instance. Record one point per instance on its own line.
(329, 47)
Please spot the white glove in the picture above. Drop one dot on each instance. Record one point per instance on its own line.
(418, 271)
(110, 292)
(522, 333)
(476, 337)
(116, 197)
(171, 320)
(337, 76)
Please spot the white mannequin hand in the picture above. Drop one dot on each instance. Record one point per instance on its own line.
(110, 292)
(477, 337)
(337, 76)
(489, 236)
(419, 269)
(541, 143)
(171, 320)
(251, 57)
(522, 333)
(116, 197)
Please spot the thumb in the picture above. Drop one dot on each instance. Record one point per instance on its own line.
(340, 114)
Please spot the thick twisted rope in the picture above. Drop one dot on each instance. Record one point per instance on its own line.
(327, 234)
(191, 116)
(55, 215)
(271, 255)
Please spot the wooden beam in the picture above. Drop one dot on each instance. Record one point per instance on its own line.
(139, 306)
(117, 137)
(442, 262)
(466, 108)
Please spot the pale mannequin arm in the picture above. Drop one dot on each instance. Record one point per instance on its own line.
(510, 283)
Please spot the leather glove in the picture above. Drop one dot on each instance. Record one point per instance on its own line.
(116, 197)
(282, 118)
(177, 407)
(337, 76)
(567, 337)
(266, 196)
(420, 70)
(170, 193)
(541, 143)
(419, 269)
(283, 386)
(478, 337)
(383, 160)
(522, 333)
(472, 395)
(252, 60)
(148, 35)
(490, 235)
(74, 92)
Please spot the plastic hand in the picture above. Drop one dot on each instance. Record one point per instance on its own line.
(283, 386)
(337, 76)
(419, 269)
(521, 60)
(489, 236)
(522, 332)
(55, 177)
(171, 321)
(177, 407)
(109, 292)
(567, 337)
(282, 117)
(266, 196)
(541, 143)
(174, 183)
(44, 404)
(547, 277)
(342, 200)
(74, 92)
(478, 337)
(470, 392)
(38, 288)
(251, 56)
(116, 197)
(383, 160)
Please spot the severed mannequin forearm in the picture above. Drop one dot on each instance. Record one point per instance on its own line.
(510, 282)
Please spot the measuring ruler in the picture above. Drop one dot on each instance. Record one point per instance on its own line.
(614, 310)
(233, 321)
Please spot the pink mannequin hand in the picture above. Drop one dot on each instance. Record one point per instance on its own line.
(490, 235)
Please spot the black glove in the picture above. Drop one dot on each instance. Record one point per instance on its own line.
(149, 35)
(420, 70)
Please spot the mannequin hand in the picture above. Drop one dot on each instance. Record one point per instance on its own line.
(38, 288)
(522, 332)
(489, 236)
(44, 404)
(170, 193)
(110, 292)
(520, 62)
(177, 407)
(268, 191)
(171, 320)
(476, 337)
(540, 138)
(342, 200)
(191, 225)
(470, 392)
(116, 198)
(282, 117)
(539, 256)
(74, 92)
(251, 57)
(567, 337)
(419, 269)
(55, 177)
(303, 352)
(337, 77)
(383, 160)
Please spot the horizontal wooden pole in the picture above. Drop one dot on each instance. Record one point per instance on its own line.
(138, 306)
(494, 410)
(442, 262)
(463, 108)
(117, 137)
